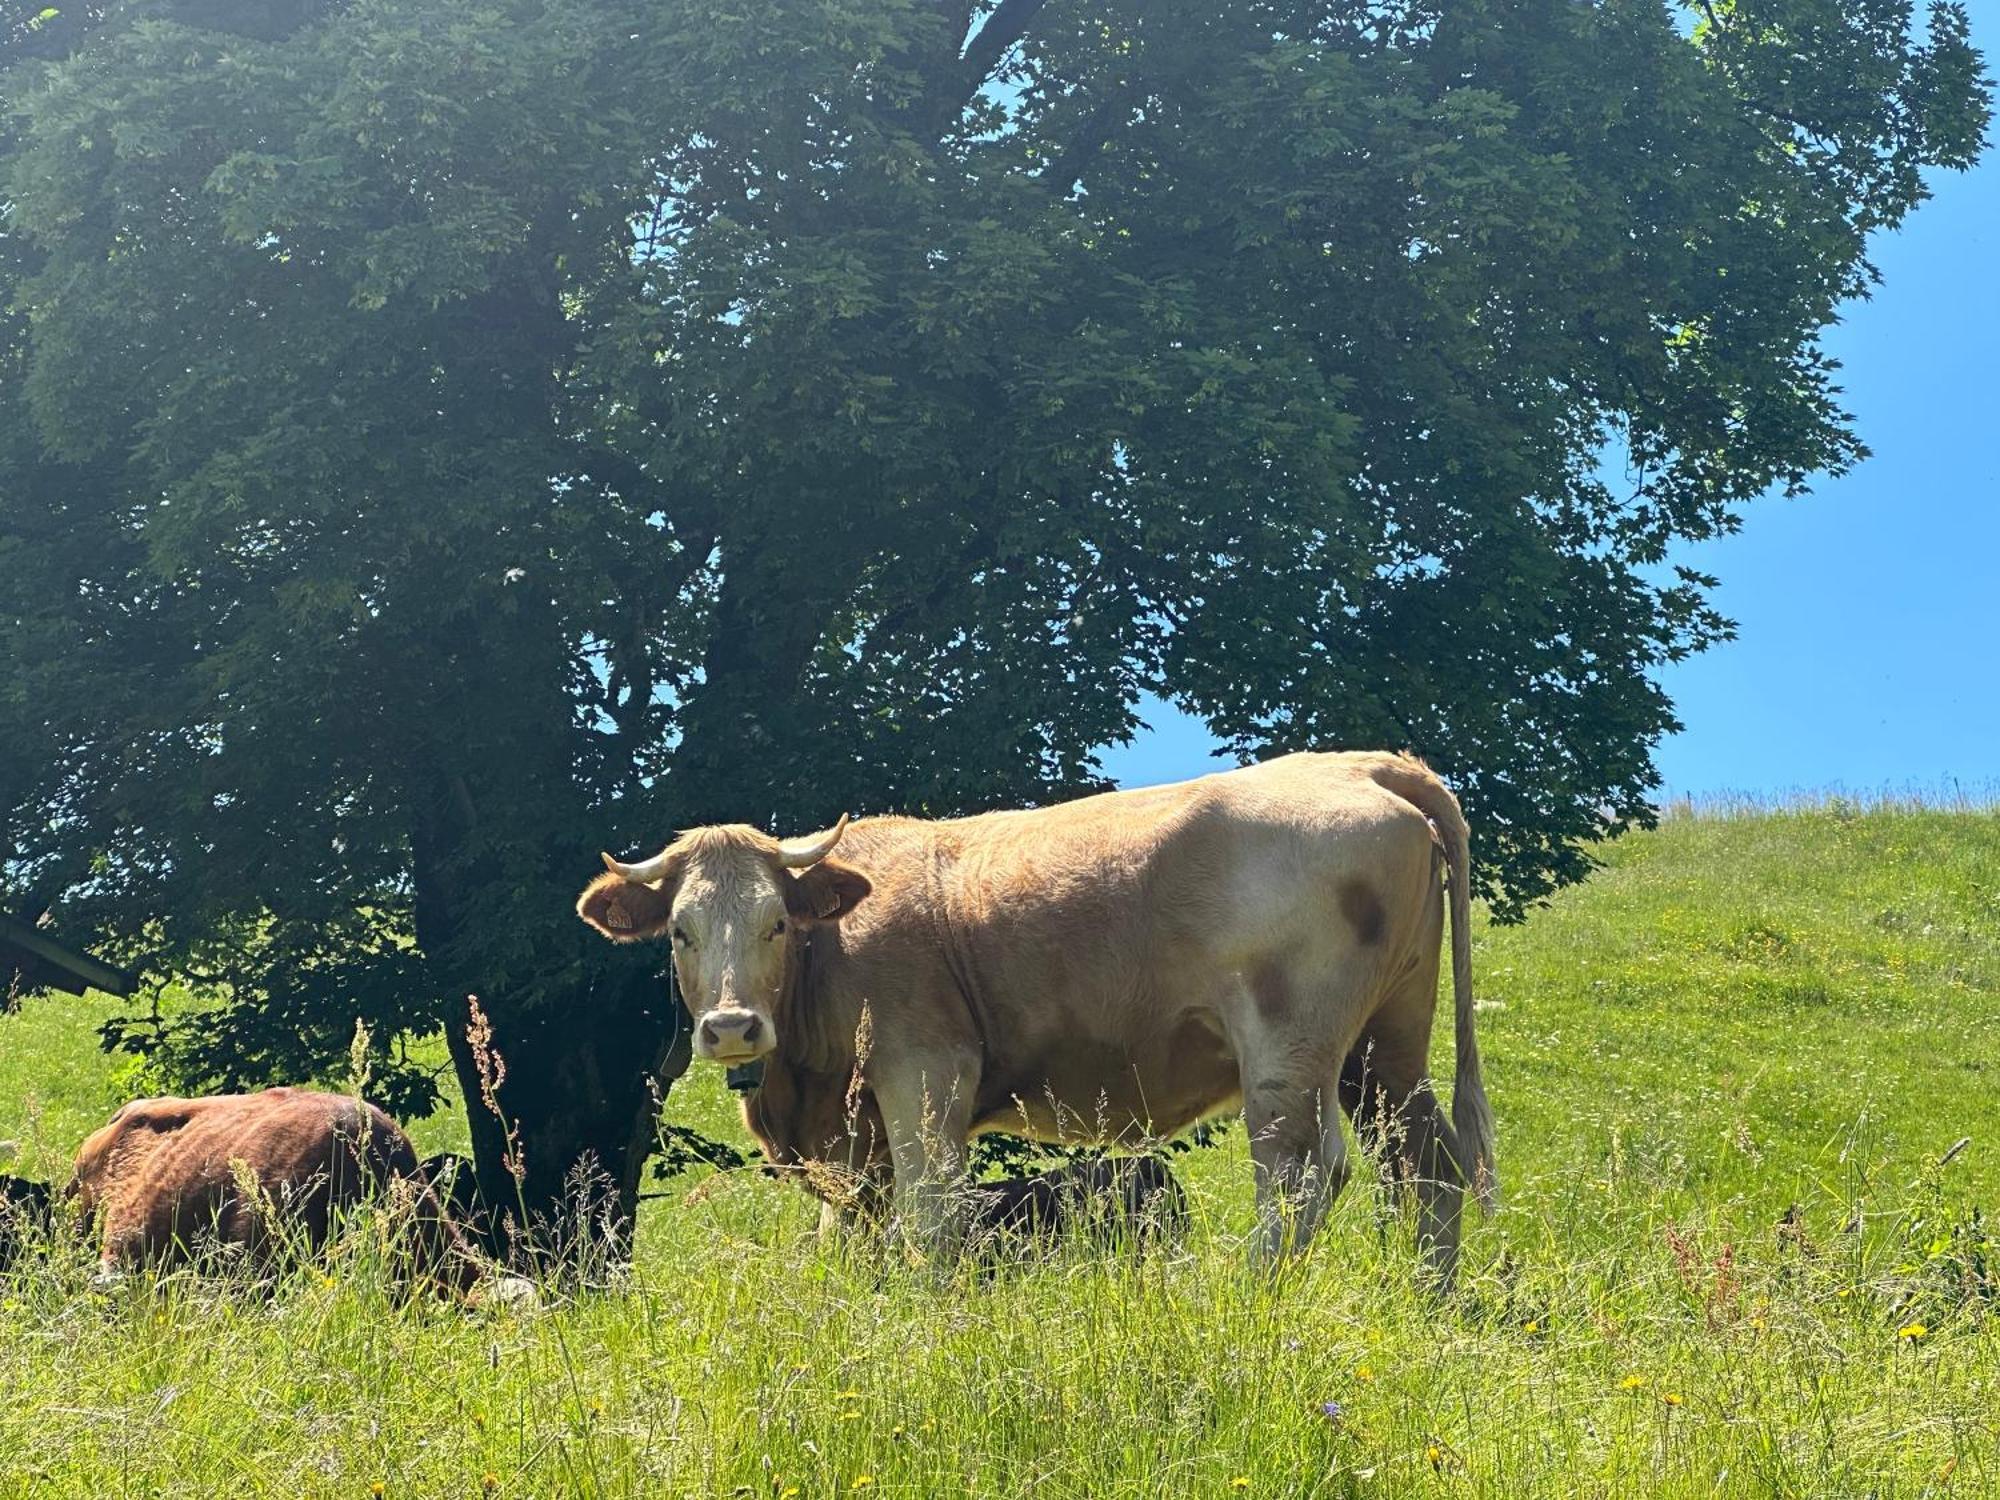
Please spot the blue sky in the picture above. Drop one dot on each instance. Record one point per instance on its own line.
(1868, 653)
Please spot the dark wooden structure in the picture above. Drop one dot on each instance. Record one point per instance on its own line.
(30, 960)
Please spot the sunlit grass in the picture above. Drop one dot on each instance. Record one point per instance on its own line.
(1728, 1262)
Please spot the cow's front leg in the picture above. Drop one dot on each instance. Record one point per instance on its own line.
(927, 1107)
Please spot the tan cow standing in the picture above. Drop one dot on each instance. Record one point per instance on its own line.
(1112, 968)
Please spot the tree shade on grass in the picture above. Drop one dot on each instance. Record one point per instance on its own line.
(438, 440)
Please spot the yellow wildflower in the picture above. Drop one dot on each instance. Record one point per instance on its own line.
(1632, 1383)
(489, 1481)
(1240, 1482)
(378, 1489)
(1436, 1456)
(847, 1396)
(1364, 1374)
(1912, 1331)
(1531, 1326)
(850, 1416)
(1946, 1469)
(863, 1482)
(1672, 1398)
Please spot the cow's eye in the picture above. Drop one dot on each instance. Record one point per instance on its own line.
(778, 930)
(680, 938)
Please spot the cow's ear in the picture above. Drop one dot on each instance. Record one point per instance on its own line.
(826, 892)
(624, 912)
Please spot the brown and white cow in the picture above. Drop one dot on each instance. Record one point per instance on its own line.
(1113, 968)
(266, 1172)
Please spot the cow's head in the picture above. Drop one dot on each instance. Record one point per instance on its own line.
(735, 903)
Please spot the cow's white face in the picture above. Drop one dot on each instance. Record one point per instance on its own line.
(731, 938)
(729, 902)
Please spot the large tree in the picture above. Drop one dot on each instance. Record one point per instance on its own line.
(442, 438)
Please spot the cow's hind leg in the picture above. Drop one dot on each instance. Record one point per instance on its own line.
(1289, 1057)
(1299, 1151)
(1397, 1114)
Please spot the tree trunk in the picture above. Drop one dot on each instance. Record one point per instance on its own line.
(562, 1096)
(743, 755)
(579, 1090)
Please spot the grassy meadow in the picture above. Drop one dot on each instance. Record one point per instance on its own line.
(1731, 1260)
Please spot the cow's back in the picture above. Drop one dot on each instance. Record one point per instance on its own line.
(1223, 862)
(167, 1174)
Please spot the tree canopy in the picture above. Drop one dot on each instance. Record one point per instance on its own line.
(441, 438)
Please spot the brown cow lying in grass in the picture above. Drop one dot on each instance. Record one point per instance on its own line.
(168, 1180)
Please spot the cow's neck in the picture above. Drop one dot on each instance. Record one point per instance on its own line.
(815, 1028)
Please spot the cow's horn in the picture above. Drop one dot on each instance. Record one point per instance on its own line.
(643, 873)
(796, 854)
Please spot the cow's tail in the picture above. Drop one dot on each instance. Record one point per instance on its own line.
(1471, 1116)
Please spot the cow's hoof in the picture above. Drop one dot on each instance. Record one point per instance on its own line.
(107, 1280)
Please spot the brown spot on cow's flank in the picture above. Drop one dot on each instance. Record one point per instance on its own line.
(1269, 990)
(1363, 910)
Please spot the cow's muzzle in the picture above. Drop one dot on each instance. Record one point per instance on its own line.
(732, 1036)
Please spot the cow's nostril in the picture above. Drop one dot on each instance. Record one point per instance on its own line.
(708, 1034)
(753, 1030)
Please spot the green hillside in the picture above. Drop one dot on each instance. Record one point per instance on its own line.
(1728, 1261)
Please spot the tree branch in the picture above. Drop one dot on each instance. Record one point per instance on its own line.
(1004, 27)
(1811, 132)
(1063, 173)
(688, 514)
(632, 675)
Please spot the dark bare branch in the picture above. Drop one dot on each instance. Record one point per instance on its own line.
(631, 680)
(1004, 27)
